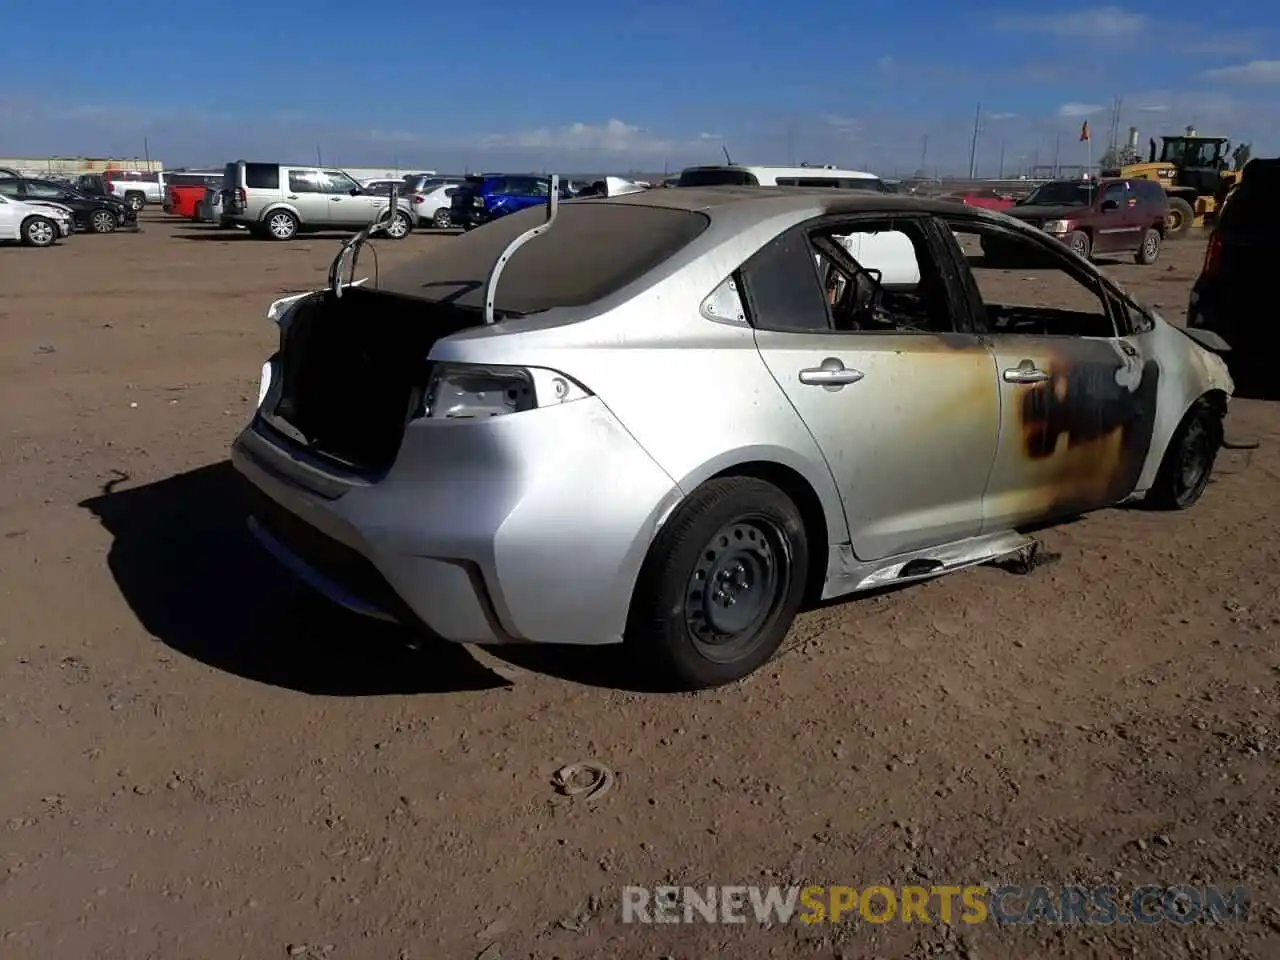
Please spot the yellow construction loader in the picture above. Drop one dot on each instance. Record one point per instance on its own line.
(1196, 173)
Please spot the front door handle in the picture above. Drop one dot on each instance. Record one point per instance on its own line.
(832, 374)
(292, 196)
(1025, 372)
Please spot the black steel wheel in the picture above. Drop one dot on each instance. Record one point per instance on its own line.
(721, 584)
(1188, 462)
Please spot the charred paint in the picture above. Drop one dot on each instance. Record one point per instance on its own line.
(1090, 425)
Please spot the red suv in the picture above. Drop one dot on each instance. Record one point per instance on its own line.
(1100, 216)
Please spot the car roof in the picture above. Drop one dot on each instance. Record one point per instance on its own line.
(782, 200)
(784, 171)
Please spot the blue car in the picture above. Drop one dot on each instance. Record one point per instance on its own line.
(492, 195)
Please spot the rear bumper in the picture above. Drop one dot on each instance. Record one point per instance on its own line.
(527, 528)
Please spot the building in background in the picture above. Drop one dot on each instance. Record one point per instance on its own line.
(71, 166)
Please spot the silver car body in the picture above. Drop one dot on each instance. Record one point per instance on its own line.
(532, 526)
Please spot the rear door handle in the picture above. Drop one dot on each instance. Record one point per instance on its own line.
(832, 374)
(1025, 372)
(292, 196)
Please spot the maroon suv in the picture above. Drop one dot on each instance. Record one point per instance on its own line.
(1100, 217)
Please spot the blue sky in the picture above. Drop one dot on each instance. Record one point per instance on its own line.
(655, 86)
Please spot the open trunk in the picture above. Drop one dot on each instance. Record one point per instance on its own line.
(352, 372)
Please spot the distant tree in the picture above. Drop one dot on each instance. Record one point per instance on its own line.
(1240, 156)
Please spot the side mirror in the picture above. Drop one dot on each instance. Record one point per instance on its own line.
(1109, 205)
(355, 191)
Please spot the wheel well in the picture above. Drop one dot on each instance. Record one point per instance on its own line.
(280, 209)
(806, 500)
(1217, 401)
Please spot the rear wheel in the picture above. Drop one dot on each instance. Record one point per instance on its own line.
(1149, 252)
(721, 584)
(136, 201)
(1188, 461)
(1181, 216)
(104, 221)
(281, 225)
(443, 219)
(39, 232)
(1079, 243)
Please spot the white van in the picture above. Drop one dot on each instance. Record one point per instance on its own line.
(891, 253)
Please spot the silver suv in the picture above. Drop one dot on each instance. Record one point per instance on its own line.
(277, 201)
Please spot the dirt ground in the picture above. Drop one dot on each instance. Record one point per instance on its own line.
(198, 759)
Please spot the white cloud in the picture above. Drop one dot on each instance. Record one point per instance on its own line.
(1001, 116)
(1255, 71)
(1099, 22)
(1079, 109)
(710, 136)
(614, 137)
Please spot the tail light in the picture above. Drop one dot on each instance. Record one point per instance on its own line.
(242, 198)
(419, 198)
(1212, 256)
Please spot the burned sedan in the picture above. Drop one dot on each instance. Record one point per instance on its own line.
(671, 418)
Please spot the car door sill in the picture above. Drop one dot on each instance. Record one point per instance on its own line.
(848, 575)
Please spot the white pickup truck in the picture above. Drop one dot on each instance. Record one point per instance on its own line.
(135, 187)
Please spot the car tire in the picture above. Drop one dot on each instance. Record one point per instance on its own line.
(1188, 461)
(745, 540)
(1080, 243)
(103, 221)
(1181, 216)
(136, 201)
(399, 226)
(442, 219)
(280, 225)
(39, 232)
(1149, 251)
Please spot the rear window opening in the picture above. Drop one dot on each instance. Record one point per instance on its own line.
(353, 371)
(593, 250)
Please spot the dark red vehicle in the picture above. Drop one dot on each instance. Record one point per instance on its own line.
(184, 189)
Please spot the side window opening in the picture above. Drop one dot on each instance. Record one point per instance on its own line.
(881, 276)
(861, 277)
(1028, 289)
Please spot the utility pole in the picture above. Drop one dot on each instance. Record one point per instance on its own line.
(924, 155)
(319, 162)
(146, 152)
(973, 144)
(1001, 159)
(1057, 156)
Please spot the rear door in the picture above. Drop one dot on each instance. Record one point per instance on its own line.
(307, 193)
(1118, 227)
(901, 398)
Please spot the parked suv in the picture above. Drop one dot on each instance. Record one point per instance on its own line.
(1235, 294)
(1100, 216)
(277, 201)
(485, 197)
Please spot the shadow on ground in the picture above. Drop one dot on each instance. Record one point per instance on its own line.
(197, 580)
